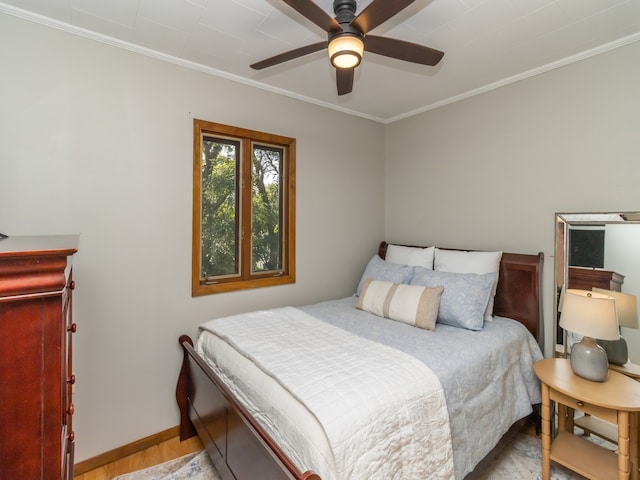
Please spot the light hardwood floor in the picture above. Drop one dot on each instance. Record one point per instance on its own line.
(163, 452)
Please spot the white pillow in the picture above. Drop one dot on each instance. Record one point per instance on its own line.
(414, 256)
(470, 262)
(412, 304)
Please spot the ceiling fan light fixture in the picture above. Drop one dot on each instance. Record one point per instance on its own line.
(345, 51)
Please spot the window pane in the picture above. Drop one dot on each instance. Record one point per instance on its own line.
(266, 209)
(220, 207)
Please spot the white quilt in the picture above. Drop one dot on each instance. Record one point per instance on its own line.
(381, 414)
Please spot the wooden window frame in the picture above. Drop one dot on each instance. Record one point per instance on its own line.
(246, 278)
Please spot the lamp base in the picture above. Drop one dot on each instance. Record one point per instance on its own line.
(589, 360)
(616, 350)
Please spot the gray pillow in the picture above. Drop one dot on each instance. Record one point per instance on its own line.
(378, 269)
(465, 297)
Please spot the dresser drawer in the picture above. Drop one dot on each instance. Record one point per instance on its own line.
(595, 410)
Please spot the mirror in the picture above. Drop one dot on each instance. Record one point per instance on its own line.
(600, 250)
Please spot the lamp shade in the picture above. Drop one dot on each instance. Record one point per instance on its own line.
(626, 306)
(345, 51)
(590, 314)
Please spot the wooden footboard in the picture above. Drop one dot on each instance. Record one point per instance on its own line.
(237, 444)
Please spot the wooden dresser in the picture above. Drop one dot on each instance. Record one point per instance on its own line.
(587, 278)
(36, 379)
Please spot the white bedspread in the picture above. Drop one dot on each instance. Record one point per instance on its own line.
(378, 410)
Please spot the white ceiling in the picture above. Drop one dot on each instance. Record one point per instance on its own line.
(487, 43)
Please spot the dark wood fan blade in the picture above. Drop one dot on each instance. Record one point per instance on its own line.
(317, 15)
(344, 80)
(290, 55)
(407, 51)
(377, 12)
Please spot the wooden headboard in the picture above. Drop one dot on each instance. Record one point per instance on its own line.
(519, 294)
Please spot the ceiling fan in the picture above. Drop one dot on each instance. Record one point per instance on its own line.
(347, 38)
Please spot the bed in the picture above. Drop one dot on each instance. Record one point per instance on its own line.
(259, 414)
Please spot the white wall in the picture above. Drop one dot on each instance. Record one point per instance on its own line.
(98, 141)
(491, 171)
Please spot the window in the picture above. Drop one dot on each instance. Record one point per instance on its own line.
(243, 209)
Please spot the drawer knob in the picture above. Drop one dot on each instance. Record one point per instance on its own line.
(72, 285)
(579, 403)
(72, 436)
(71, 409)
(72, 379)
(72, 328)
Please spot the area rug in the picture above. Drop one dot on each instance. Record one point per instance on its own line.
(195, 466)
(516, 457)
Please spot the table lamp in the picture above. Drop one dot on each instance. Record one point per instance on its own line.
(592, 315)
(627, 308)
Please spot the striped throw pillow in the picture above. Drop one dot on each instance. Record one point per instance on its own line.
(411, 304)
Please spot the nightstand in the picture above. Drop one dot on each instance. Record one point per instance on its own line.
(617, 401)
(599, 427)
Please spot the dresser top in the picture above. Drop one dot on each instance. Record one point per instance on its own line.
(21, 246)
(33, 265)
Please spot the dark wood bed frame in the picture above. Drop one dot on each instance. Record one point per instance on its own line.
(240, 448)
